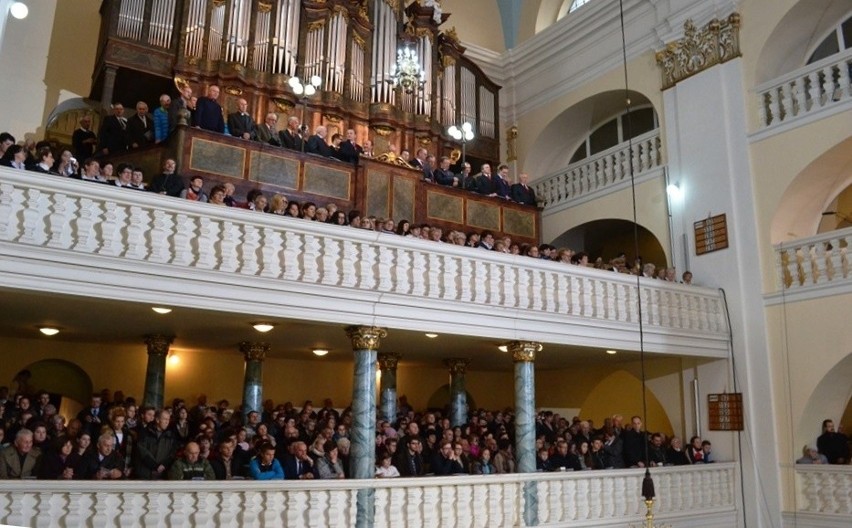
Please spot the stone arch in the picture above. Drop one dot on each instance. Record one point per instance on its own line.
(621, 393)
(63, 378)
(607, 237)
(798, 32)
(552, 149)
(811, 192)
(829, 399)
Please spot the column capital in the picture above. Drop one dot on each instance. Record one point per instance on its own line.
(524, 351)
(388, 360)
(254, 351)
(457, 365)
(366, 337)
(158, 345)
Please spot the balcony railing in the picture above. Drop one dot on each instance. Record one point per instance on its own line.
(104, 232)
(825, 490)
(590, 498)
(604, 172)
(815, 262)
(806, 91)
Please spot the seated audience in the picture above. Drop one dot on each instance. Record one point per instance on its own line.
(811, 455)
(167, 182)
(44, 161)
(20, 460)
(329, 466)
(195, 191)
(384, 467)
(14, 157)
(60, 461)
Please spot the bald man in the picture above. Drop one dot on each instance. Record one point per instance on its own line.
(191, 466)
(522, 192)
(240, 123)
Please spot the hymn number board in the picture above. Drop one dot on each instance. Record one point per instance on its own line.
(711, 234)
(725, 411)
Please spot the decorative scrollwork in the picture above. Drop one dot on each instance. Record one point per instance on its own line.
(389, 360)
(698, 50)
(457, 365)
(254, 351)
(366, 337)
(158, 345)
(524, 351)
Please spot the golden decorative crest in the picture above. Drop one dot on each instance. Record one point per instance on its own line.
(383, 131)
(316, 24)
(233, 90)
(264, 7)
(366, 337)
(451, 34)
(699, 50)
(333, 119)
(158, 345)
(524, 350)
(254, 351)
(283, 105)
(388, 361)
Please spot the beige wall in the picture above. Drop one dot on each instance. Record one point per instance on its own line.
(476, 22)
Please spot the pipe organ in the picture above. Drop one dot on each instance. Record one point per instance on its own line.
(252, 47)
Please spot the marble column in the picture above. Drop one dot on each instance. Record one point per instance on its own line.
(458, 394)
(362, 453)
(254, 353)
(155, 375)
(387, 366)
(108, 89)
(523, 354)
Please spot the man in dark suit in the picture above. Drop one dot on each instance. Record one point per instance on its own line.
(93, 417)
(484, 181)
(268, 131)
(299, 466)
(168, 182)
(291, 137)
(104, 463)
(140, 127)
(208, 112)
(228, 465)
(349, 150)
(522, 192)
(444, 176)
(419, 161)
(408, 459)
(240, 123)
(177, 105)
(113, 135)
(316, 144)
(84, 139)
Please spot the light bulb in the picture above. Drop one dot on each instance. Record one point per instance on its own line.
(467, 127)
(453, 130)
(298, 89)
(320, 352)
(293, 82)
(468, 135)
(316, 81)
(19, 10)
(310, 90)
(263, 327)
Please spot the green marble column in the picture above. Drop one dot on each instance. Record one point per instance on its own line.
(387, 366)
(523, 354)
(155, 375)
(254, 353)
(458, 394)
(362, 454)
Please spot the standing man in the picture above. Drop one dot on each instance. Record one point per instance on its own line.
(240, 123)
(522, 192)
(208, 112)
(317, 145)
(93, 417)
(444, 176)
(140, 127)
(161, 119)
(184, 102)
(268, 131)
(291, 137)
(834, 445)
(350, 151)
(113, 133)
(156, 449)
(84, 139)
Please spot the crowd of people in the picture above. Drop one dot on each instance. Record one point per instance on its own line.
(114, 438)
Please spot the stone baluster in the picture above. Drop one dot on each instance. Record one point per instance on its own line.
(402, 282)
(110, 229)
(228, 244)
(385, 268)
(254, 354)
(644, 155)
(433, 274)
(536, 296)
(774, 106)
(814, 90)
(799, 96)
(184, 233)
(495, 282)
(362, 461)
(549, 292)
(458, 393)
(365, 265)
(786, 100)
(523, 288)
(270, 259)
(523, 355)
(510, 280)
(88, 216)
(155, 375)
(763, 109)
(162, 227)
(451, 267)
(844, 82)
(387, 365)
(348, 264)
(59, 221)
(820, 268)
(828, 84)
(292, 253)
(418, 274)
(137, 227)
(310, 260)
(208, 236)
(11, 204)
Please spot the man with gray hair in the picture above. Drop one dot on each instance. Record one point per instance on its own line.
(104, 463)
(268, 131)
(317, 145)
(20, 460)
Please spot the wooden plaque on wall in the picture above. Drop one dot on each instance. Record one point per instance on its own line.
(725, 411)
(711, 234)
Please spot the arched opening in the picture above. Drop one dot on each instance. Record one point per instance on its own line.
(610, 237)
(64, 379)
(830, 399)
(561, 140)
(820, 188)
(621, 393)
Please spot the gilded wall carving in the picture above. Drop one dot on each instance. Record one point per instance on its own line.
(699, 50)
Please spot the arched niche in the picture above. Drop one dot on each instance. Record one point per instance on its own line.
(793, 40)
(829, 399)
(621, 393)
(609, 237)
(811, 193)
(554, 146)
(63, 378)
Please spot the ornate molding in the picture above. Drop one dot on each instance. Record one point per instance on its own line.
(158, 345)
(457, 365)
(699, 50)
(233, 90)
(264, 7)
(393, 159)
(360, 42)
(253, 351)
(524, 351)
(511, 138)
(366, 337)
(315, 25)
(389, 360)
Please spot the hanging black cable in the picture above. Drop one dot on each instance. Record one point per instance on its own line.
(647, 482)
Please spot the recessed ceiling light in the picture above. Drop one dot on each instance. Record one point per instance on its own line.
(263, 327)
(612, 352)
(161, 310)
(503, 348)
(320, 352)
(48, 331)
(431, 336)
(19, 10)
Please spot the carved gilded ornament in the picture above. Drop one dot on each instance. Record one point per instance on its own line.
(424, 141)
(699, 50)
(316, 25)
(333, 119)
(264, 7)
(359, 41)
(158, 345)
(342, 10)
(392, 159)
(448, 61)
(524, 350)
(366, 337)
(218, 3)
(389, 361)
(233, 90)
(382, 131)
(451, 34)
(511, 138)
(284, 106)
(457, 365)
(394, 4)
(253, 351)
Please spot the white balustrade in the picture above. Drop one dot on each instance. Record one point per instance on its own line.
(825, 490)
(814, 261)
(805, 91)
(601, 173)
(597, 498)
(45, 213)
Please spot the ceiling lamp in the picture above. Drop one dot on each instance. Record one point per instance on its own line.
(406, 71)
(161, 310)
(19, 10)
(503, 348)
(463, 134)
(431, 335)
(308, 88)
(263, 327)
(320, 352)
(612, 352)
(48, 331)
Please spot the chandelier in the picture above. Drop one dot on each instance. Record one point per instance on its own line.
(406, 72)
